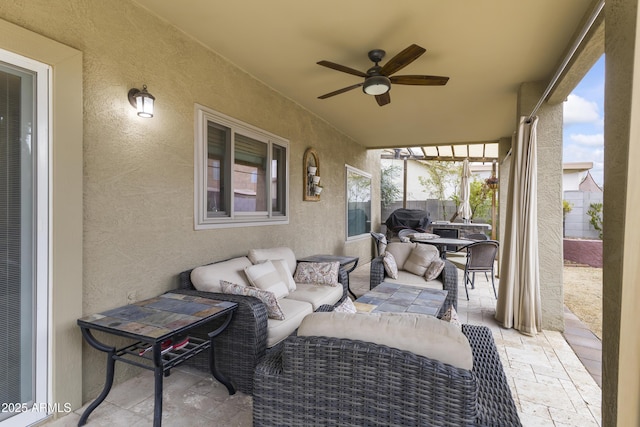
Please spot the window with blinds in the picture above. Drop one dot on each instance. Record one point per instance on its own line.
(241, 173)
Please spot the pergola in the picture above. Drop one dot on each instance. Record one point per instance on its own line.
(474, 152)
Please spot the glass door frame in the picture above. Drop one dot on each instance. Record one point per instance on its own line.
(40, 407)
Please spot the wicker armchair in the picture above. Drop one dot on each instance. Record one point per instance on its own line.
(448, 277)
(244, 342)
(325, 381)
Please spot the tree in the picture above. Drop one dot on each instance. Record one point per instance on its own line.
(389, 193)
(479, 199)
(442, 176)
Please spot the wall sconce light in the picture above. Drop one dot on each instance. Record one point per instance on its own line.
(142, 101)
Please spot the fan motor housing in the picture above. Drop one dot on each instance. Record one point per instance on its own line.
(376, 55)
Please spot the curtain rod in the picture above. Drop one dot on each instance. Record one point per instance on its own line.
(565, 62)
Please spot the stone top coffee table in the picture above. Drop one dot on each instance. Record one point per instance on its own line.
(397, 298)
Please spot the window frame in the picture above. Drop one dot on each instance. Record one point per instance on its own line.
(231, 218)
(351, 169)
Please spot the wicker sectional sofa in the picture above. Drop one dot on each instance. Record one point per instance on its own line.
(329, 381)
(251, 333)
(447, 280)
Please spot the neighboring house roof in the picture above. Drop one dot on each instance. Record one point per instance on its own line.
(576, 166)
(588, 185)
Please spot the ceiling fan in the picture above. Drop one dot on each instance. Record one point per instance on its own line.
(378, 80)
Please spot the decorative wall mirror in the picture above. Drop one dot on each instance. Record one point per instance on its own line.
(311, 176)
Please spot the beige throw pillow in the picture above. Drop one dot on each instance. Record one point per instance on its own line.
(265, 276)
(274, 311)
(420, 258)
(451, 316)
(320, 273)
(390, 265)
(434, 269)
(282, 266)
(347, 306)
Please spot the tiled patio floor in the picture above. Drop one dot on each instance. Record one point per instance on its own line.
(550, 385)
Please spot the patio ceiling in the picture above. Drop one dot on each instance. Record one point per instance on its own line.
(487, 48)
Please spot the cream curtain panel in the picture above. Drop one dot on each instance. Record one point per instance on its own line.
(519, 293)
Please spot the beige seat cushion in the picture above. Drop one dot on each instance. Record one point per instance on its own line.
(400, 251)
(406, 278)
(258, 255)
(294, 312)
(207, 277)
(423, 335)
(316, 295)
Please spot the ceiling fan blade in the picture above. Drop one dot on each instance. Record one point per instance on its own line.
(383, 99)
(339, 91)
(419, 80)
(342, 68)
(402, 59)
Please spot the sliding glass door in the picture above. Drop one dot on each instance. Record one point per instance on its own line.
(24, 201)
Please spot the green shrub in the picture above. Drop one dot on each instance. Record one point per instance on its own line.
(596, 214)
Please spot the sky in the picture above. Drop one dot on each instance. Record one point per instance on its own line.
(583, 131)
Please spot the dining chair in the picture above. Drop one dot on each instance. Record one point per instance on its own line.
(480, 259)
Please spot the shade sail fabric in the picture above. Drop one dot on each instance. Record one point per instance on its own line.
(518, 303)
(465, 190)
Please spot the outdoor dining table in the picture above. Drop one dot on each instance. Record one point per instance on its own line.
(442, 242)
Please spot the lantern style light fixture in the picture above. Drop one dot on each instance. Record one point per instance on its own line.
(142, 101)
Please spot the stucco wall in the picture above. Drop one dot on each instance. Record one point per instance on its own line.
(138, 173)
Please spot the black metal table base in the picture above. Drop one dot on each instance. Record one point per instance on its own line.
(160, 367)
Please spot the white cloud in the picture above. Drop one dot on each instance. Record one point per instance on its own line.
(580, 110)
(593, 140)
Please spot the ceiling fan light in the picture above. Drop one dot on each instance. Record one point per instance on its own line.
(376, 85)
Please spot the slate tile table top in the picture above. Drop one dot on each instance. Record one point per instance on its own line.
(397, 298)
(157, 318)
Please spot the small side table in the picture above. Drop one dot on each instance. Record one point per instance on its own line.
(156, 323)
(343, 260)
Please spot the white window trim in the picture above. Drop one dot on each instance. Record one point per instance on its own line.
(241, 219)
(346, 200)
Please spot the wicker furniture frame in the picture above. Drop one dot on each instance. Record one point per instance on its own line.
(448, 277)
(329, 381)
(241, 346)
